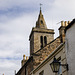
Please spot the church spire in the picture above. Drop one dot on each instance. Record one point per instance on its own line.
(41, 22)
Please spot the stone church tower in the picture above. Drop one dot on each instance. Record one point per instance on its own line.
(40, 35)
(42, 44)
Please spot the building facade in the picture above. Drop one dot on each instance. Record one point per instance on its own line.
(45, 69)
(43, 47)
(70, 47)
(64, 53)
(40, 35)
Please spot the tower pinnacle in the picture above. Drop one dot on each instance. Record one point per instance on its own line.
(41, 22)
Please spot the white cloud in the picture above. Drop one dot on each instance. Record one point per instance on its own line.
(9, 66)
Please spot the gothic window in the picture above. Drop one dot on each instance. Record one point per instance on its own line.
(45, 40)
(41, 40)
(41, 22)
(41, 73)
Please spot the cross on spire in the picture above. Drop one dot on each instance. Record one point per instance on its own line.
(40, 5)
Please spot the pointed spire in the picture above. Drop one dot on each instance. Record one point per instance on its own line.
(41, 22)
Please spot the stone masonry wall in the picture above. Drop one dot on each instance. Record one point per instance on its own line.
(43, 53)
(37, 43)
(35, 38)
(29, 67)
(21, 71)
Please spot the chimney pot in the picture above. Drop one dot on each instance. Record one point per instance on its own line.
(62, 23)
(69, 22)
(24, 57)
(66, 23)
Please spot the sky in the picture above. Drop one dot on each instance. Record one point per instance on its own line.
(17, 17)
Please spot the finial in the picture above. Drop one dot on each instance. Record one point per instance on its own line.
(40, 5)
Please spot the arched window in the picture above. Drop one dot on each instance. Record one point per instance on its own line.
(45, 40)
(41, 22)
(41, 41)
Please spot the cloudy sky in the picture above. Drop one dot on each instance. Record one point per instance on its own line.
(17, 17)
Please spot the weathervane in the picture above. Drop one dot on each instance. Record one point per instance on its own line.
(40, 5)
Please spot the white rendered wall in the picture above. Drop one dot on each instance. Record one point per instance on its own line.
(70, 49)
(46, 65)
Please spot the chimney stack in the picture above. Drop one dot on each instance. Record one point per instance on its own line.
(23, 61)
(61, 30)
(25, 58)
